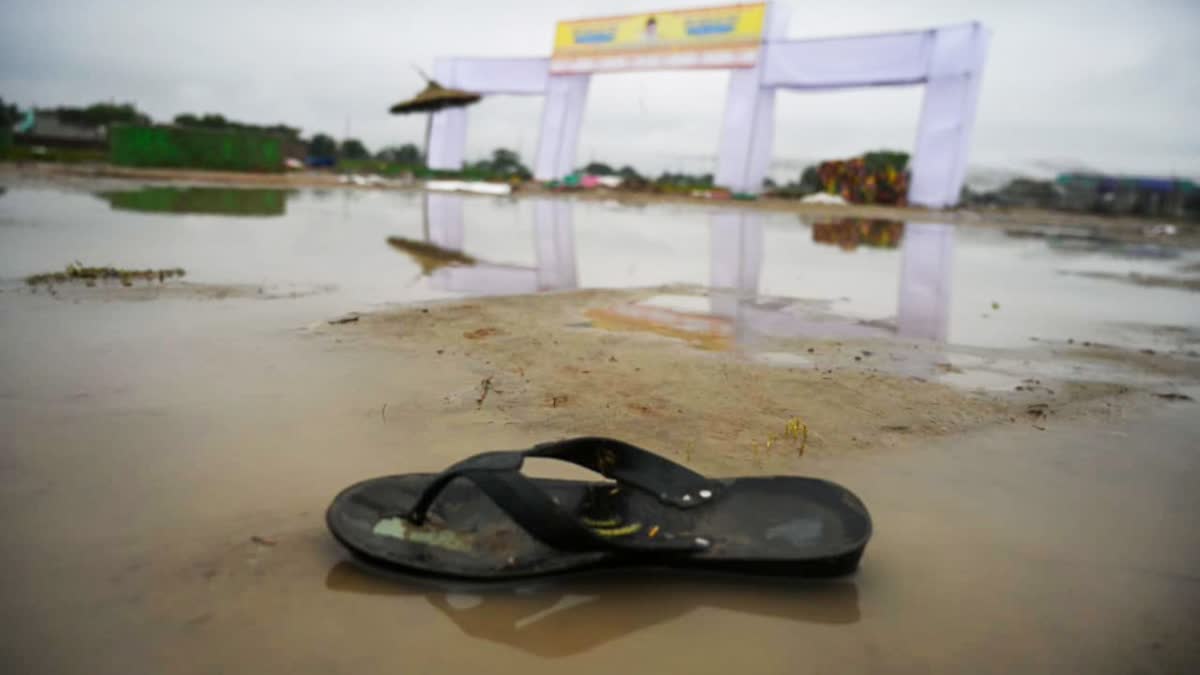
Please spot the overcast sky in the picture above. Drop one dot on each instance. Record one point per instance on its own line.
(1105, 84)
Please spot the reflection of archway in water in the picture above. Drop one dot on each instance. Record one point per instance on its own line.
(735, 266)
(569, 615)
(923, 309)
(554, 243)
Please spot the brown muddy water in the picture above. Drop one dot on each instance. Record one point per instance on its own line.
(167, 456)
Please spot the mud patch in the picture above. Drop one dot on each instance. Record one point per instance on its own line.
(555, 375)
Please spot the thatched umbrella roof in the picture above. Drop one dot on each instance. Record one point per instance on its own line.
(433, 98)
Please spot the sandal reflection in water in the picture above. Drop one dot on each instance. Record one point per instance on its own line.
(565, 616)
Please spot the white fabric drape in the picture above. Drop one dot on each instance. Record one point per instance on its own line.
(448, 134)
(837, 63)
(562, 119)
(939, 164)
(747, 132)
(448, 128)
(524, 76)
(948, 60)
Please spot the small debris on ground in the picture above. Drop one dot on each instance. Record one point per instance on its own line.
(797, 431)
(1039, 411)
(486, 386)
(1172, 396)
(263, 541)
(77, 271)
(480, 333)
(349, 318)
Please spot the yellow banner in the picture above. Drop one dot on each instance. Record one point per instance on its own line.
(714, 37)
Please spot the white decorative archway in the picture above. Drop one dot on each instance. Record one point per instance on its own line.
(948, 61)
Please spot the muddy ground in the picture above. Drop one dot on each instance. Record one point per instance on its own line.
(545, 365)
(168, 451)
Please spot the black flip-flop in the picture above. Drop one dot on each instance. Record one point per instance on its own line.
(497, 523)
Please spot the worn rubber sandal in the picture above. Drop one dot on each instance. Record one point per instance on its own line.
(483, 519)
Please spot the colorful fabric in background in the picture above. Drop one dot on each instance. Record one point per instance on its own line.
(874, 178)
(849, 233)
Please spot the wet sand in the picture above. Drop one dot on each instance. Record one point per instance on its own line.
(167, 464)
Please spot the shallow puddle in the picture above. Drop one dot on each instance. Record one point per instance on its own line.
(966, 286)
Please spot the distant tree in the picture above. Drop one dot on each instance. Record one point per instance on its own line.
(507, 163)
(810, 180)
(598, 169)
(352, 148)
(292, 133)
(322, 145)
(629, 173)
(219, 122)
(769, 184)
(685, 180)
(214, 121)
(102, 114)
(9, 113)
(880, 160)
(504, 163)
(401, 154)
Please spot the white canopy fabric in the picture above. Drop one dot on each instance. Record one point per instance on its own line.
(562, 120)
(948, 61)
(939, 160)
(836, 63)
(747, 132)
(520, 77)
